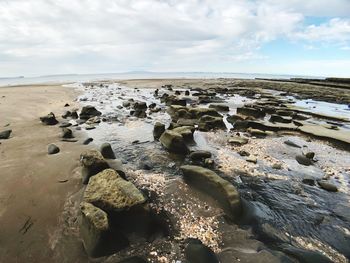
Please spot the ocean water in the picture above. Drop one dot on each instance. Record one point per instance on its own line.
(135, 75)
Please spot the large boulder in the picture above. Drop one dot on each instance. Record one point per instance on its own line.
(110, 192)
(49, 119)
(158, 130)
(218, 188)
(89, 111)
(173, 142)
(92, 162)
(5, 134)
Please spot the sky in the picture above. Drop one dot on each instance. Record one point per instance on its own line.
(298, 37)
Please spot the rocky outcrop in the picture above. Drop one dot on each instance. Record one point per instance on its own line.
(88, 112)
(218, 188)
(92, 162)
(49, 119)
(173, 142)
(5, 134)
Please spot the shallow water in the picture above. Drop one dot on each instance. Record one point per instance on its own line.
(282, 208)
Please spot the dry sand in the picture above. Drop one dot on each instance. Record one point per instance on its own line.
(31, 194)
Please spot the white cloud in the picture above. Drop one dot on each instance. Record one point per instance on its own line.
(61, 36)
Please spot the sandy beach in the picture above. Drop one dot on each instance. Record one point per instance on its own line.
(34, 185)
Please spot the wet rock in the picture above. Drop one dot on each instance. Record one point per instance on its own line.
(87, 141)
(126, 104)
(305, 256)
(66, 115)
(74, 115)
(301, 159)
(280, 119)
(234, 118)
(173, 142)
(90, 127)
(53, 149)
(309, 181)
(243, 153)
(92, 162)
(49, 119)
(66, 105)
(88, 112)
(207, 123)
(237, 140)
(5, 134)
(328, 186)
(200, 155)
(249, 111)
(310, 155)
(109, 191)
(199, 112)
(292, 144)
(67, 133)
(196, 252)
(215, 186)
(186, 132)
(158, 130)
(107, 151)
(219, 106)
(94, 230)
(277, 166)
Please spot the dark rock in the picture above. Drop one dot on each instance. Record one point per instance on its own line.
(218, 188)
(207, 123)
(173, 142)
(107, 151)
(74, 115)
(87, 141)
(309, 181)
(219, 107)
(305, 256)
(187, 93)
(88, 112)
(238, 140)
(328, 186)
(196, 252)
(158, 130)
(53, 149)
(301, 159)
(67, 133)
(49, 119)
(66, 105)
(199, 112)
(133, 260)
(249, 111)
(243, 153)
(65, 125)
(280, 119)
(5, 134)
(126, 104)
(66, 115)
(200, 155)
(310, 155)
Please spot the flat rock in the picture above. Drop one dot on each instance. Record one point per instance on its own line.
(238, 140)
(219, 106)
(218, 188)
(110, 192)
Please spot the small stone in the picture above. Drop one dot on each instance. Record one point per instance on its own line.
(107, 151)
(301, 159)
(328, 186)
(5, 134)
(199, 155)
(158, 130)
(87, 141)
(252, 160)
(243, 153)
(49, 119)
(53, 149)
(67, 133)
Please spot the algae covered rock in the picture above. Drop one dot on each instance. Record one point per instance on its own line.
(92, 162)
(173, 142)
(110, 192)
(218, 188)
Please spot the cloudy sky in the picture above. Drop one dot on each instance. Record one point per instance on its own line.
(308, 37)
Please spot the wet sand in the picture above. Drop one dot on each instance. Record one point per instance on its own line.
(34, 185)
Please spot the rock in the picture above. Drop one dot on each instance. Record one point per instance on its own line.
(207, 123)
(67, 133)
(200, 155)
(173, 142)
(5, 134)
(305, 256)
(109, 191)
(277, 166)
(309, 181)
(249, 111)
(53, 149)
(233, 118)
(66, 115)
(243, 153)
(301, 159)
(238, 140)
(252, 160)
(257, 133)
(87, 141)
(280, 119)
(158, 130)
(292, 144)
(90, 127)
(66, 105)
(92, 162)
(74, 115)
(196, 252)
(209, 163)
(126, 104)
(219, 107)
(310, 155)
(49, 119)
(140, 105)
(187, 93)
(186, 132)
(199, 112)
(94, 229)
(215, 186)
(65, 125)
(88, 112)
(107, 151)
(328, 186)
